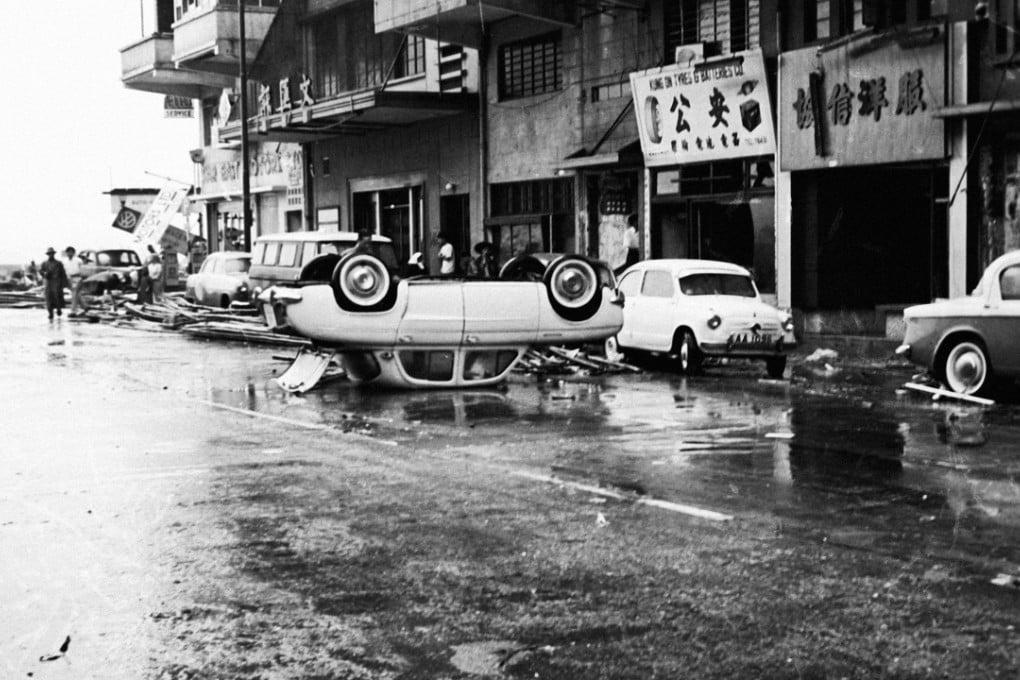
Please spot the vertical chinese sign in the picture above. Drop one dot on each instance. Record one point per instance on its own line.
(848, 106)
(704, 112)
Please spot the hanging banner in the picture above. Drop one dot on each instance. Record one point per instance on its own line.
(154, 229)
(704, 111)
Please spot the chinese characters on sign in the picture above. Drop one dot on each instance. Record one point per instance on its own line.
(871, 95)
(285, 106)
(850, 107)
(705, 111)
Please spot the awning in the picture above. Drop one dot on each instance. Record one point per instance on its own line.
(978, 109)
(629, 154)
(233, 195)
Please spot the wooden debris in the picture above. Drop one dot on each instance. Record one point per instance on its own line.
(938, 392)
(559, 360)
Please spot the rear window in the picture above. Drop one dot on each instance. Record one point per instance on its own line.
(736, 285)
(487, 363)
(237, 265)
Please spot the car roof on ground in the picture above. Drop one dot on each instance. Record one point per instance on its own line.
(312, 236)
(691, 266)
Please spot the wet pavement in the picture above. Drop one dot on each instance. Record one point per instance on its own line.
(178, 516)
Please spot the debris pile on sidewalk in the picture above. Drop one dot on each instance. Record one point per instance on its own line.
(22, 299)
(560, 361)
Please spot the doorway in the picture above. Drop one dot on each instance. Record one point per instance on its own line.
(393, 213)
(455, 218)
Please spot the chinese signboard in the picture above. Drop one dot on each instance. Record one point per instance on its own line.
(841, 108)
(704, 111)
(270, 166)
(155, 229)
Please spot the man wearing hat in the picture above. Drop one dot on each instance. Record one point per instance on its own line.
(484, 265)
(55, 279)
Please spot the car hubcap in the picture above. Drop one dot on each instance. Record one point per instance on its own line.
(966, 369)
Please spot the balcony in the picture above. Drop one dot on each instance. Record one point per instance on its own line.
(210, 40)
(148, 65)
(456, 21)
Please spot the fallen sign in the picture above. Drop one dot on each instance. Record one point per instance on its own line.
(938, 392)
(307, 369)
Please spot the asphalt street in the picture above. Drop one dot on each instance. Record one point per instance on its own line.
(166, 511)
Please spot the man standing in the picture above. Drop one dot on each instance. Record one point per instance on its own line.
(72, 267)
(155, 266)
(55, 279)
(447, 265)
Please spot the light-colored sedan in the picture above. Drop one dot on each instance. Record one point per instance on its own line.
(969, 342)
(222, 279)
(427, 332)
(692, 309)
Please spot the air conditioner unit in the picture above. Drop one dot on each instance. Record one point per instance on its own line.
(686, 55)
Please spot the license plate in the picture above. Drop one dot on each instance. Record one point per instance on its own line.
(751, 341)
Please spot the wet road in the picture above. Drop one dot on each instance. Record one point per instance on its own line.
(165, 505)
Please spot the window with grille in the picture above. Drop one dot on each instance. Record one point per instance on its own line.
(348, 55)
(530, 67)
(816, 20)
(327, 59)
(733, 25)
(542, 196)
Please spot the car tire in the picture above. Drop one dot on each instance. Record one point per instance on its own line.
(361, 283)
(965, 368)
(775, 367)
(573, 288)
(687, 352)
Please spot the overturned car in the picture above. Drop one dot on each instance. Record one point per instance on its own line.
(431, 332)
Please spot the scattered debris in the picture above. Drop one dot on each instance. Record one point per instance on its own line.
(562, 361)
(600, 520)
(779, 435)
(939, 392)
(820, 355)
(1009, 580)
(63, 650)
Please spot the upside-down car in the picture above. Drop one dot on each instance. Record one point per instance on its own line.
(428, 332)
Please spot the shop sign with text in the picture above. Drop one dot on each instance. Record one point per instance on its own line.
(855, 106)
(155, 229)
(269, 166)
(704, 111)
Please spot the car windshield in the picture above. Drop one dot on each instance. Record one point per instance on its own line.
(237, 265)
(737, 285)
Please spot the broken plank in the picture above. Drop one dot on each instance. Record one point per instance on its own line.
(941, 392)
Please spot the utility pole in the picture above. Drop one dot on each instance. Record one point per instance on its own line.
(245, 172)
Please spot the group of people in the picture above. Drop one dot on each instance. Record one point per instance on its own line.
(482, 266)
(67, 272)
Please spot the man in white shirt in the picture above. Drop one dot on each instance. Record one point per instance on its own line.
(447, 263)
(72, 265)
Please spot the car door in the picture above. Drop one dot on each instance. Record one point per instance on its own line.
(630, 287)
(1002, 322)
(657, 323)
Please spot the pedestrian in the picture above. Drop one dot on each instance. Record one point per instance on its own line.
(155, 267)
(483, 266)
(631, 241)
(447, 256)
(55, 279)
(72, 267)
(33, 273)
(144, 292)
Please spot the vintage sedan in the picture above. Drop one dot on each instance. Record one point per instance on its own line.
(969, 343)
(693, 309)
(222, 279)
(123, 262)
(428, 332)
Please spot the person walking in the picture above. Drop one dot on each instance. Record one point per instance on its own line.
(155, 266)
(447, 256)
(72, 267)
(55, 279)
(632, 242)
(33, 273)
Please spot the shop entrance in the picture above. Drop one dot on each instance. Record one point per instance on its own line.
(393, 213)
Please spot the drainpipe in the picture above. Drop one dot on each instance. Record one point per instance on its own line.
(483, 123)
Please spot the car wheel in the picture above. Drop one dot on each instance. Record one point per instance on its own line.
(966, 369)
(573, 287)
(775, 367)
(361, 283)
(225, 301)
(689, 356)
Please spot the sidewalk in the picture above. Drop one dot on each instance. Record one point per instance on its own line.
(868, 349)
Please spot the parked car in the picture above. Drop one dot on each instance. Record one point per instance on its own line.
(422, 332)
(969, 343)
(693, 309)
(222, 279)
(123, 262)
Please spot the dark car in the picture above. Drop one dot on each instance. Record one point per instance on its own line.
(123, 262)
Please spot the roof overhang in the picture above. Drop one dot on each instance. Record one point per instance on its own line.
(978, 109)
(354, 113)
(626, 156)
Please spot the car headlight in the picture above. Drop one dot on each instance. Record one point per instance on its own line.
(714, 322)
(788, 324)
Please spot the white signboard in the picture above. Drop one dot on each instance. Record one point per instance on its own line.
(154, 226)
(704, 111)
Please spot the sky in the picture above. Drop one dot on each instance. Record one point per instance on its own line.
(70, 130)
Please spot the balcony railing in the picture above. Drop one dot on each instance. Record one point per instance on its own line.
(209, 40)
(148, 65)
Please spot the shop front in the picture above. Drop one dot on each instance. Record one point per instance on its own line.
(868, 179)
(709, 146)
(276, 186)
